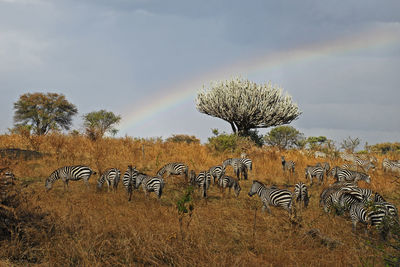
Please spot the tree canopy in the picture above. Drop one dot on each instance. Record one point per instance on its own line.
(285, 137)
(247, 105)
(43, 112)
(97, 123)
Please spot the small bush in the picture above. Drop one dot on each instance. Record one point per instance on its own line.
(183, 138)
(229, 143)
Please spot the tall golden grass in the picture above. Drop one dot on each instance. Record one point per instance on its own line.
(83, 227)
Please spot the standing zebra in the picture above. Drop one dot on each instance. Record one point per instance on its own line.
(272, 196)
(360, 213)
(349, 176)
(315, 171)
(391, 165)
(67, 173)
(111, 176)
(150, 184)
(202, 180)
(174, 168)
(240, 165)
(217, 172)
(129, 180)
(365, 165)
(288, 165)
(230, 182)
(301, 193)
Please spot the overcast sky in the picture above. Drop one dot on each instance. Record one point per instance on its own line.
(131, 55)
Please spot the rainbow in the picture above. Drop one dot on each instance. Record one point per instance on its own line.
(186, 90)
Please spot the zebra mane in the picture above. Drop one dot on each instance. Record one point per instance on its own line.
(256, 181)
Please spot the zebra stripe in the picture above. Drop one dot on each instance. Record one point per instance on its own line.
(129, 180)
(111, 177)
(69, 173)
(240, 166)
(288, 165)
(301, 193)
(359, 213)
(348, 175)
(390, 165)
(150, 184)
(174, 168)
(364, 164)
(202, 180)
(272, 196)
(229, 182)
(314, 171)
(217, 172)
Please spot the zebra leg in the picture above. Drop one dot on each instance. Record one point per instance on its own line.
(265, 206)
(66, 185)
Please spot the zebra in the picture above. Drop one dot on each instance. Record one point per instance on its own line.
(150, 184)
(217, 172)
(7, 179)
(314, 171)
(240, 165)
(326, 167)
(301, 193)
(349, 176)
(390, 165)
(391, 208)
(67, 173)
(349, 166)
(111, 176)
(360, 213)
(230, 182)
(347, 157)
(288, 165)
(364, 164)
(174, 168)
(129, 180)
(353, 195)
(330, 196)
(202, 180)
(272, 196)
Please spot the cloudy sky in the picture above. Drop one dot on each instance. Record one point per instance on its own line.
(146, 59)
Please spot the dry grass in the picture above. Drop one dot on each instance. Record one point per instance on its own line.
(87, 228)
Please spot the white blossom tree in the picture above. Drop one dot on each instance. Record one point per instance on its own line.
(247, 105)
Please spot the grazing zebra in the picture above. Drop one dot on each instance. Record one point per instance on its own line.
(129, 180)
(288, 165)
(349, 176)
(360, 213)
(67, 173)
(150, 184)
(352, 195)
(364, 164)
(202, 180)
(390, 165)
(301, 193)
(326, 167)
(391, 208)
(174, 168)
(111, 176)
(217, 172)
(314, 171)
(230, 182)
(331, 195)
(240, 165)
(272, 196)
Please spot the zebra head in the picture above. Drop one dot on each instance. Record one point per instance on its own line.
(48, 184)
(237, 189)
(226, 162)
(255, 188)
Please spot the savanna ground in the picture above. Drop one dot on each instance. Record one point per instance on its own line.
(84, 227)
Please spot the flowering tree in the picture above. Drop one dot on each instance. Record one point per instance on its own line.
(247, 105)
